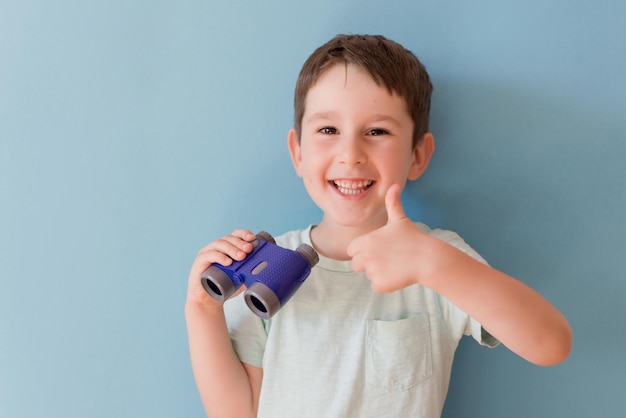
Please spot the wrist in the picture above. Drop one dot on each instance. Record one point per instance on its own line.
(205, 306)
(435, 256)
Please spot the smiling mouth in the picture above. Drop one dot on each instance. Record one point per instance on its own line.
(352, 187)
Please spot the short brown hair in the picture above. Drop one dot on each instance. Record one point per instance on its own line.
(389, 64)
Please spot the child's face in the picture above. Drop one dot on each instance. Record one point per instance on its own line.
(356, 142)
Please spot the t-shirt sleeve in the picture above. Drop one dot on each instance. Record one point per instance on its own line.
(248, 332)
(459, 320)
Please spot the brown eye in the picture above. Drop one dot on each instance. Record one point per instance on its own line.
(327, 130)
(378, 132)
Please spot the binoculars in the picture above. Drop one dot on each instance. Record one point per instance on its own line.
(272, 275)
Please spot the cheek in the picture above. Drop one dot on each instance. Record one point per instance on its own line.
(312, 164)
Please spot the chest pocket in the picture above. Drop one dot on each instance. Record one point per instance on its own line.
(398, 353)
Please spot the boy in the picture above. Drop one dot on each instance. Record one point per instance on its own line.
(373, 330)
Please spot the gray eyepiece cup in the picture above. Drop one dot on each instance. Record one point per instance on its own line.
(217, 283)
(261, 300)
(266, 236)
(309, 254)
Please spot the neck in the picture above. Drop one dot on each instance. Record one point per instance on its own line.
(332, 240)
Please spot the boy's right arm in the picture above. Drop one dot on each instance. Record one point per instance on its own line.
(227, 387)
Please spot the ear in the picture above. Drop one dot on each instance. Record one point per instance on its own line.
(294, 150)
(421, 156)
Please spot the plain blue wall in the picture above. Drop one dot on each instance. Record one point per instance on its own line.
(134, 132)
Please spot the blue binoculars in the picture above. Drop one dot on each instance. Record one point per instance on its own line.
(271, 274)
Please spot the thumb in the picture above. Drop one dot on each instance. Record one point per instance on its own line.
(395, 211)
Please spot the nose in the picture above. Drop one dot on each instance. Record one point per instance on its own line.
(352, 150)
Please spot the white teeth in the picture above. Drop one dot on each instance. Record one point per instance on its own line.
(352, 187)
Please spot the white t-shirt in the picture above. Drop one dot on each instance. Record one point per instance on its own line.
(337, 349)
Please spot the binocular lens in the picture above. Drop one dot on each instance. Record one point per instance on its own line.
(213, 287)
(262, 300)
(217, 283)
(258, 304)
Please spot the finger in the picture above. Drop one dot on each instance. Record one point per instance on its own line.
(353, 247)
(357, 265)
(222, 251)
(235, 249)
(207, 257)
(241, 241)
(244, 234)
(231, 246)
(395, 211)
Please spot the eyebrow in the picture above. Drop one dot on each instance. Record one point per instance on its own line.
(322, 116)
(379, 117)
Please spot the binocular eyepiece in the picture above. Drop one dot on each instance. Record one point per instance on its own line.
(271, 274)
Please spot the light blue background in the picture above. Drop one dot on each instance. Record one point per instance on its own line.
(134, 132)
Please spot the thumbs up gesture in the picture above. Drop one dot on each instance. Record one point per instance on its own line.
(389, 255)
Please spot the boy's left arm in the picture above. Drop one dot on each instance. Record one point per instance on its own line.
(515, 314)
